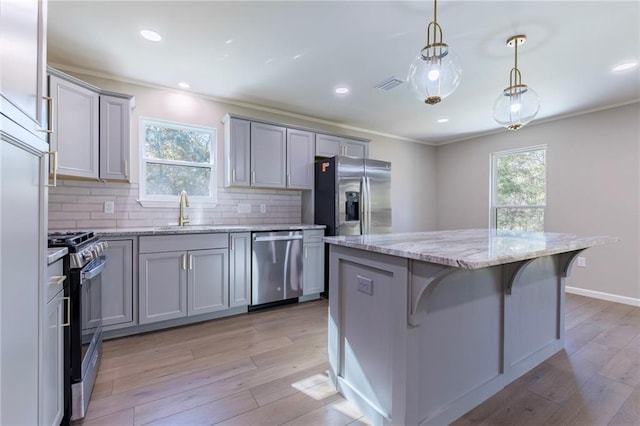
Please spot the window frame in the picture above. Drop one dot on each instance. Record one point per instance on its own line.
(493, 193)
(147, 200)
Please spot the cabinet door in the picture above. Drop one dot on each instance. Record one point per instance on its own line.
(23, 50)
(239, 269)
(237, 140)
(75, 128)
(313, 268)
(328, 146)
(268, 155)
(162, 286)
(52, 379)
(300, 153)
(117, 284)
(208, 281)
(355, 148)
(22, 274)
(115, 115)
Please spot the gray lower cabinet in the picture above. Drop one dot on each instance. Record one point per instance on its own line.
(207, 281)
(118, 297)
(313, 262)
(52, 375)
(239, 269)
(175, 284)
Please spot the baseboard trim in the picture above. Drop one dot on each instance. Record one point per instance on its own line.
(603, 296)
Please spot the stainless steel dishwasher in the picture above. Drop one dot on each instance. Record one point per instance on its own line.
(276, 267)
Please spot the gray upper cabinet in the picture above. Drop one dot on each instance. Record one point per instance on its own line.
(268, 155)
(330, 146)
(115, 113)
(75, 127)
(237, 144)
(23, 59)
(239, 269)
(117, 285)
(301, 146)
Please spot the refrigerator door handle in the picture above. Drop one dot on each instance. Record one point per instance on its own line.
(362, 203)
(368, 205)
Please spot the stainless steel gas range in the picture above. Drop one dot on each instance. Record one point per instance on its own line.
(83, 345)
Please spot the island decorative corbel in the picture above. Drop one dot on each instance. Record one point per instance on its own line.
(420, 288)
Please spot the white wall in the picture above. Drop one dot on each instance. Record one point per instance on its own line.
(413, 164)
(593, 188)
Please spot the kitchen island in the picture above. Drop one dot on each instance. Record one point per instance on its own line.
(425, 326)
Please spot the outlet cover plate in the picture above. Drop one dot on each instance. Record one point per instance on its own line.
(365, 285)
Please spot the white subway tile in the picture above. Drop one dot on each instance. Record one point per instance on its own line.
(93, 224)
(56, 225)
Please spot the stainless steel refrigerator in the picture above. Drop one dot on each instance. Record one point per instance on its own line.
(353, 196)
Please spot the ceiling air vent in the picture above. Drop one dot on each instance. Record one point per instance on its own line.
(389, 84)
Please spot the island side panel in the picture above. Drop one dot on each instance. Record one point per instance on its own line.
(368, 331)
(460, 342)
(534, 316)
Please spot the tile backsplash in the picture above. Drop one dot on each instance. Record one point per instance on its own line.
(81, 205)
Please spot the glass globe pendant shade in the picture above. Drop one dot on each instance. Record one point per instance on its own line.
(435, 73)
(516, 106)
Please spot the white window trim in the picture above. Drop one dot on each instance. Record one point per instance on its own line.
(170, 201)
(493, 187)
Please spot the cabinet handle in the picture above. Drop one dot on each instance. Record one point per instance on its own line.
(344, 150)
(190, 262)
(253, 176)
(54, 156)
(233, 175)
(50, 113)
(68, 321)
(126, 169)
(306, 249)
(231, 243)
(184, 262)
(56, 281)
(288, 179)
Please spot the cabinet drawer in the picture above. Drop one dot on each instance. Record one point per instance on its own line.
(56, 279)
(313, 235)
(165, 243)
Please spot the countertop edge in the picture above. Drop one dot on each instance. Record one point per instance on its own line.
(56, 253)
(200, 229)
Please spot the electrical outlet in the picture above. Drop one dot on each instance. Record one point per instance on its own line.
(365, 285)
(263, 208)
(582, 261)
(109, 207)
(244, 208)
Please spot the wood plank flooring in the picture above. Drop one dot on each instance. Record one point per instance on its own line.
(270, 368)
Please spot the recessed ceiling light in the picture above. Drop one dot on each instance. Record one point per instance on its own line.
(229, 41)
(184, 85)
(625, 66)
(342, 90)
(150, 35)
(443, 120)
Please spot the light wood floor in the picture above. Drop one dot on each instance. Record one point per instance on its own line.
(270, 368)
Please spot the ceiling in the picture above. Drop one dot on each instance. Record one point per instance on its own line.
(291, 55)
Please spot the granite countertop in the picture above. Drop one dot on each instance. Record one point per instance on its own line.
(55, 253)
(199, 229)
(470, 248)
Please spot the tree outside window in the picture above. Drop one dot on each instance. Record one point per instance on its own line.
(177, 157)
(519, 189)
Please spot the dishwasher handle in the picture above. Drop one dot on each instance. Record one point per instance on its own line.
(278, 238)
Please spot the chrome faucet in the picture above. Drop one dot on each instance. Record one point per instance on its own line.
(184, 202)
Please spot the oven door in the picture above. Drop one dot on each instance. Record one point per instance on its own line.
(91, 309)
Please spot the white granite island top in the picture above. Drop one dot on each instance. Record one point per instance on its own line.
(470, 248)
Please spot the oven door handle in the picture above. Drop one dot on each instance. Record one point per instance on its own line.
(92, 273)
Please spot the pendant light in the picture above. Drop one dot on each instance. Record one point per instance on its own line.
(518, 103)
(435, 73)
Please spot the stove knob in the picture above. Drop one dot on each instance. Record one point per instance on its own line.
(87, 255)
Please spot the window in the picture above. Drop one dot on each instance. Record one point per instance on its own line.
(176, 157)
(519, 189)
